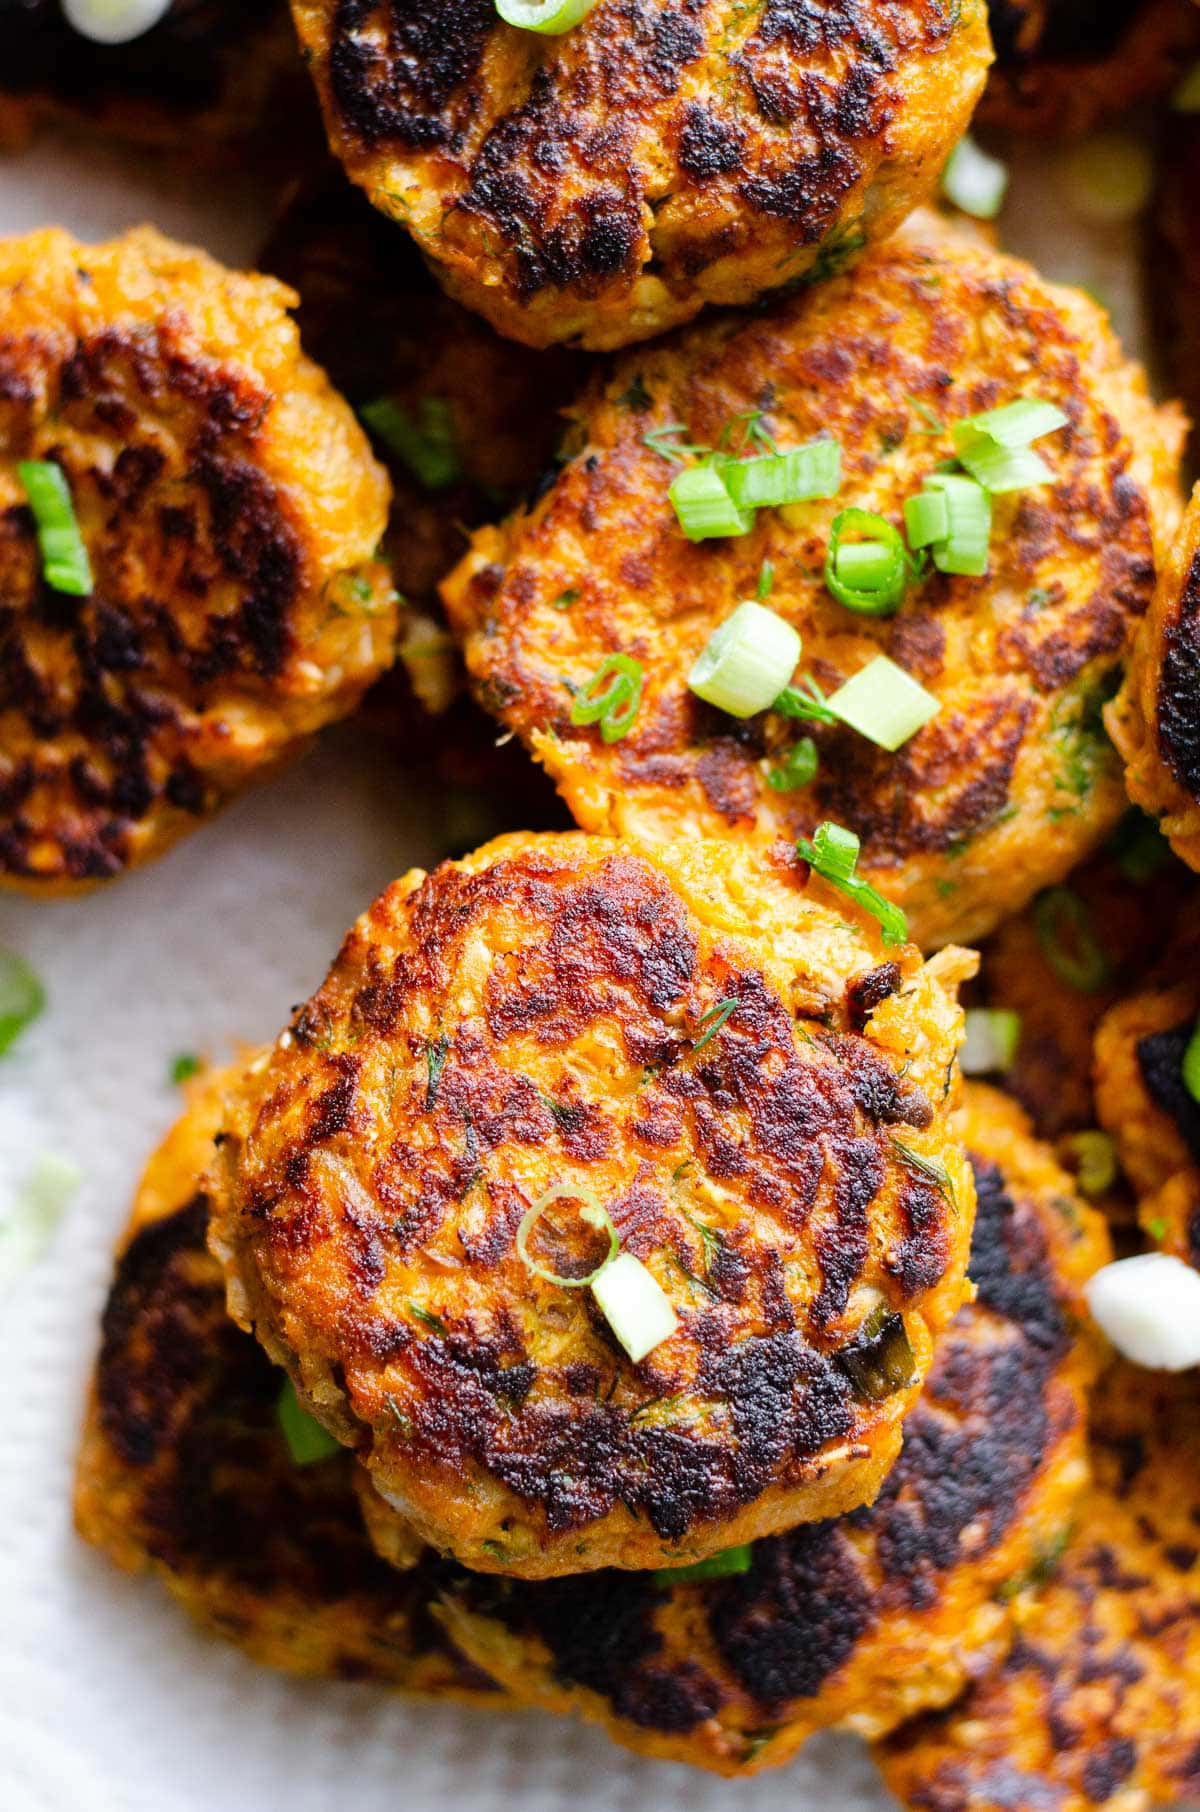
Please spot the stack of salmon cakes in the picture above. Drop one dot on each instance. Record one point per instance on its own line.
(716, 1255)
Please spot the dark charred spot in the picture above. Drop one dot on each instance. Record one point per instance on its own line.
(866, 992)
(1178, 699)
(1160, 1061)
(404, 89)
(708, 145)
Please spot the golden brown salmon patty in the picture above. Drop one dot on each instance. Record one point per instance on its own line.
(1064, 65)
(755, 1089)
(205, 73)
(230, 509)
(603, 185)
(184, 1471)
(1098, 1704)
(1013, 781)
(1155, 720)
(865, 1620)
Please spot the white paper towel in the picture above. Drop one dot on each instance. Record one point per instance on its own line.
(108, 1700)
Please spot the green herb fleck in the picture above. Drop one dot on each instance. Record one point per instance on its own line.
(184, 1067)
(565, 599)
(713, 1021)
(435, 1063)
(932, 1169)
(428, 1318)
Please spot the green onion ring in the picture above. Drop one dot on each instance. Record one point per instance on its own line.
(881, 600)
(1069, 944)
(611, 697)
(593, 1212)
(550, 17)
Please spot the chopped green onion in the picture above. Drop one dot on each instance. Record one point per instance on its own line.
(1108, 178)
(551, 17)
(1190, 1068)
(1095, 1158)
(703, 504)
(798, 767)
(746, 662)
(635, 1305)
(881, 1360)
(22, 997)
(805, 701)
(1149, 1307)
(774, 479)
(831, 848)
(1014, 425)
(766, 581)
(611, 697)
(927, 518)
(878, 590)
(884, 703)
(1186, 98)
(307, 1441)
(184, 1067)
(114, 21)
(592, 1212)
(65, 564)
(1069, 944)
(990, 1046)
(724, 1565)
(712, 1022)
(426, 447)
(28, 1228)
(999, 469)
(973, 181)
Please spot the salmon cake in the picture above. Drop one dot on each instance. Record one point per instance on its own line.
(1063, 66)
(184, 1470)
(1155, 719)
(861, 1621)
(604, 184)
(1012, 780)
(221, 599)
(1097, 1704)
(608, 1204)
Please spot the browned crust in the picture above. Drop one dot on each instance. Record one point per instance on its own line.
(447, 1073)
(230, 509)
(1013, 782)
(603, 185)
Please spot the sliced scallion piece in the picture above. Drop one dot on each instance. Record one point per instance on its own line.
(999, 469)
(884, 703)
(926, 518)
(22, 997)
(35, 1216)
(611, 697)
(965, 509)
(881, 1360)
(551, 17)
(1190, 1068)
(114, 21)
(591, 1211)
(774, 479)
(829, 854)
(635, 1305)
(747, 661)
(990, 1046)
(307, 1441)
(725, 1565)
(1068, 940)
(973, 181)
(1014, 424)
(798, 767)
(874, 584)
(425, 446)
(1095, 1159)
(1149, 1307)
(65, 564)
(703, 505)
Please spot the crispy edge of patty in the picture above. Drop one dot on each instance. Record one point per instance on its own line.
(1155, 719)
(548, 1494)
(555, 229)
(864, 1622)
(183, 1473)
(1097, 1705)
